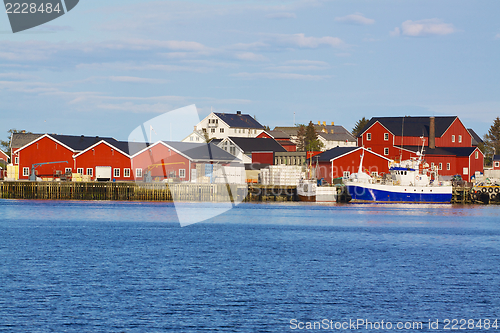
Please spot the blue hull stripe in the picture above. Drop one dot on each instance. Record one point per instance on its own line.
(365, 194)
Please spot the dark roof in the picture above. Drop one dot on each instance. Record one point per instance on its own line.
(239, 120)
(82, 142)
(22, 139)
(337, 136)
(496, 157)
(202, 151)
(476, 139)
(326, 156)
(411, 126)
(337, 129)
(249, 145)
(215, 141)
(446, 151)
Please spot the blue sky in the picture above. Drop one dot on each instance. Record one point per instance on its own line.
(108, 66)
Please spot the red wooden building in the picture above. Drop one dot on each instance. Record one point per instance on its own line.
(105, 156)
(281, 137)
(177, 160)
(496, 162)
(343, 161)
(4, 156)
(447, 142)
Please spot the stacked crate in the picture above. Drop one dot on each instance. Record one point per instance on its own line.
(281, 175)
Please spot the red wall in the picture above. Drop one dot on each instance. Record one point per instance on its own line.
(457, 128)
(350, 162)
(44, 150)
(160, 154)
(263, 157)
(104, 155)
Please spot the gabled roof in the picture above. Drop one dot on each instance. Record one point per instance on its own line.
(4, 156)
(19, 140)
(337, 129)
(496, 157)
(337, 136)
(201, 151)
(411, 126)
(239, 120)
(476, 139)
(337, 152)
(118, 147)
(445, 151)
(278, 134)
(249, 145)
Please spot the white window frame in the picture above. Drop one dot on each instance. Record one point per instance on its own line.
(386, 151)
(477, 155)
(116, 172)
(16, 160)
(448, 166)
(440, 166)
(182, 173)
(453, 138)
(213, 130)
(346, 174)
(466, 171)
(90, 172)
(368, 137)
(68, 169)
(138, 173)
(386, 136)
(374, 174)
(459, 139)
(432, 165)
(221, 130)
(126, 172)
(79, 170)
(497, 164)
(26, 171)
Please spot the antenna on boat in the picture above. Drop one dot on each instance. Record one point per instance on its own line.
(360, 170)
(402, 138)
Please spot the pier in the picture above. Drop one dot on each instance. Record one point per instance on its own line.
(156, 191)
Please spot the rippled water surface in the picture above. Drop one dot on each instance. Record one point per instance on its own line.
(130, 267)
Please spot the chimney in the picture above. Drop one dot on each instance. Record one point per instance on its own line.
(324, 123)
(332, 123)
(238, 112)
(432, 133)
(319, 123)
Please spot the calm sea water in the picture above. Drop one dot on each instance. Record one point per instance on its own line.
(129, 267)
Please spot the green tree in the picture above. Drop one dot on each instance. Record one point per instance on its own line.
(301, 137)
(360, 124)
(492, 140)
(311, 139)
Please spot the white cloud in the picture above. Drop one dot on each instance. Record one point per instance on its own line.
(250, 56)
(286, 76)
(133, 79)
(356, 18)
(422, 28)
(283, 15)
(300, 40)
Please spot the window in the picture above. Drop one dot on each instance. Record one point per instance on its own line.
(466, 171)
(213, 130)
(197, 138)
(477, 155)
(80, 171)
(368, 136)
(386, 136)
(138, 173)
(90, 171)
(346, 174)
(232, 150)
(191, 138)
(182, 173)
(432, 166)
(16, 160)
(386, 151)
(116, 172)
(369, 148)
(126, 172)
(448, 166)
(452, 138)
(68, 170)
(374, 174)
(440, 167)
(459, 138)
(26, 171)
(497, 164)
(221, 130)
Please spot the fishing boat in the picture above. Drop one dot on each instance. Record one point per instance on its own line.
(409, 181)
(306, 190)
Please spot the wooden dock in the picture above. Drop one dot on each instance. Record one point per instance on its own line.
(129, 191)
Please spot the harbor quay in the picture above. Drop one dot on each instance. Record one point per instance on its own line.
(160, 191)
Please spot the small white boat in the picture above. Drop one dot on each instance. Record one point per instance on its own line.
(306, 190)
